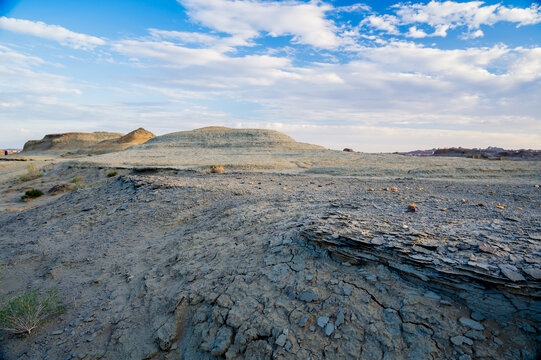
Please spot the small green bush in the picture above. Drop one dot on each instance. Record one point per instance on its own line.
(77, 179)
(25, 312)
(112, 173)
(32, 194)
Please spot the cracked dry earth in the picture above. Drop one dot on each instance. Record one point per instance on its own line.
(266, 266)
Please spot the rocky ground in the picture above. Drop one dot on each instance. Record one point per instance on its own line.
(178, 264)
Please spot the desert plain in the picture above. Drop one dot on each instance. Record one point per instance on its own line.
(245, 244)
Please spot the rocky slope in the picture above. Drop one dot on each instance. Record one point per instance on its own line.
(135, 137)
(223, 137)
(178, 264)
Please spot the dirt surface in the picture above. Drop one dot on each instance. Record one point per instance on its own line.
(296, 252)
(170, 264)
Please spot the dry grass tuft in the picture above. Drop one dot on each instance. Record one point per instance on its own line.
(32, 172)
(25, 312)
(215, 169)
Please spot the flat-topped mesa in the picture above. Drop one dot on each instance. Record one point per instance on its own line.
(68, 141)
(217, 137)
(81, 142)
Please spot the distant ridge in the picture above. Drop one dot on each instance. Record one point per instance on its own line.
(135, 137)
(490, 153)
(80, 142)
(71, 141)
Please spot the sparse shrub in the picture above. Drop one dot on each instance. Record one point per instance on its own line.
(112, 173)
(32, 172)
(32, 194)
(216, 169)
(25, 312)
(79, 182)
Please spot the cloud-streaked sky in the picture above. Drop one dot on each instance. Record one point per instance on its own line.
(374, 76)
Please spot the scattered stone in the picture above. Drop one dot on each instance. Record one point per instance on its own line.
(533, 272)
(471, 323)
(340, 317)
(346, 289)
(487, 248)
(287, 347)
(474, 334)
(57, 332)
(329, 329)
(61, 188)
(459, 340)
(477, 316)
(281, 341)
(308, 296)
(303, 320)
(322, 321)
(511, 272)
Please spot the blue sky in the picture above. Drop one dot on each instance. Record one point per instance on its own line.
(375, 76)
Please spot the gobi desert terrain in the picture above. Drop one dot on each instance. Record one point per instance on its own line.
(245, 244)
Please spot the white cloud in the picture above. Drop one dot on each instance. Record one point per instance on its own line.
(386, 23)
(473, 35)
(416, 33)
(442, 16)
(527, 16)
(51, 32)
(353, 8)
(184, 36)
(397, 83)
(168, 52)
(306, 22)
(20, 76)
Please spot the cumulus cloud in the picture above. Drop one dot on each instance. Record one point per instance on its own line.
(306, 22)
(386, 23)
(394, 91)
(393, 84)
(442, 16)
(51, 32)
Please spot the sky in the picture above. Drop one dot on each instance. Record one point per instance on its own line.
(375, 76)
